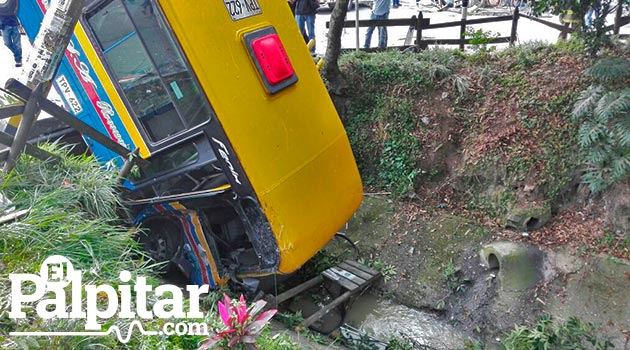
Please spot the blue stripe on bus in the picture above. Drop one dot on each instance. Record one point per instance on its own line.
(31, 16)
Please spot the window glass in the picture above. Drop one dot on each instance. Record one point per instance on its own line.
(172, 160)
(110, 24)
(149, 68)
(182, 87)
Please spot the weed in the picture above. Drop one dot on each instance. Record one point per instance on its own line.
(290, 319)
(545, 334)
(478, 41)
(527, 54)
(470, 344)
(611, 241)
(452, 277)
(396, 343)
(280, 341)
(320, 262)
(388, 271)
(385, 148)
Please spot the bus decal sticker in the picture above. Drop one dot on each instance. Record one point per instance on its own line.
(71, 98)
(223, 151)
(104, 110)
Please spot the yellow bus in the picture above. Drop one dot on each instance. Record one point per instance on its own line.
(247, 168)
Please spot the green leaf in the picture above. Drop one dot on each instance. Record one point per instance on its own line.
(587, 101)
(610, 69)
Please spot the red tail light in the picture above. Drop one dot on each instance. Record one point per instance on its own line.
(271, 59)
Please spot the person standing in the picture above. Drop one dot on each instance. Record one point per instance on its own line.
(10, 27)
(305, 11)
(380, 11)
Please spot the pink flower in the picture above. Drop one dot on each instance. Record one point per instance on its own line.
(243, 326)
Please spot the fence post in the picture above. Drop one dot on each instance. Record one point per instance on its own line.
(617, 18)
(419, 31)
(462, 28)
(356, 23)
(515, 17)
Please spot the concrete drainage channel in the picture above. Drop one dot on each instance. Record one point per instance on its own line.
(383, 319)
(593, 288)
(369, 322)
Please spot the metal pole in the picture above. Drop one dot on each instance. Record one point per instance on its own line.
(356, 23)
(31, 111)
(43, 61)
(618, 14)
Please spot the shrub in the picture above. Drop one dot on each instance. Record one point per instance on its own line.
(603, 110)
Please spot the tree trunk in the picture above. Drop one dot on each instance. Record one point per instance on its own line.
(331, 72)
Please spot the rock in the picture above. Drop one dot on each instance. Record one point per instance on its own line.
(617, 201)
(595, 288)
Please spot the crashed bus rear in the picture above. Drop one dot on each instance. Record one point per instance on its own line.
(245, 167)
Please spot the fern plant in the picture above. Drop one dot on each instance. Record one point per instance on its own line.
(603, 111)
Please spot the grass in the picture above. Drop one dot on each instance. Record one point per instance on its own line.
(73, 211)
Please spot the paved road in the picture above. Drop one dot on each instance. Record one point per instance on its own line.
(527, 30)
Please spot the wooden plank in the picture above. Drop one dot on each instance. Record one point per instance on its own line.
(29, 149)
(366, 276)
(323, 311)
(622, 22)
(394, 22)
(298, 289)
(337, 278)
(61, 114)
(362, 267)
(500, 40)
(618, 14)
(559, 27)
(13, 216)
(345, 281)
(468, 22)
(349, 276)
(10, 111)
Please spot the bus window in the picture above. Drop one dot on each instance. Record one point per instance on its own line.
(150, 70)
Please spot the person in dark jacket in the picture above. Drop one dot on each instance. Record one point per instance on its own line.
(305, 11)
(10, 26)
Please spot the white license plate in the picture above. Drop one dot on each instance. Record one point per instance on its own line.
(239, 9)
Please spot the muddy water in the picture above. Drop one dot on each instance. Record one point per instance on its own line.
(383, 319)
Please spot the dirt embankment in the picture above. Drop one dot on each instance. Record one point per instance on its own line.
(495, 158)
